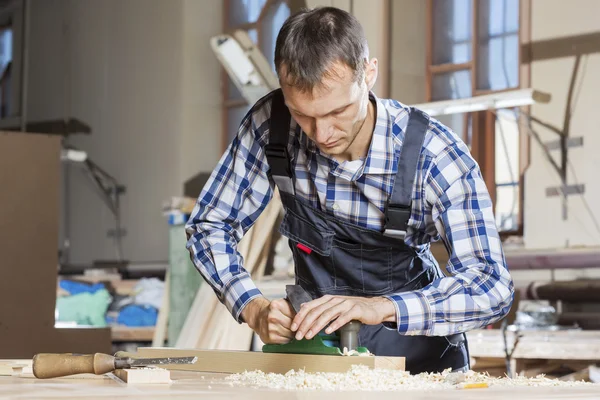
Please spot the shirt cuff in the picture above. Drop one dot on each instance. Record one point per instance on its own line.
(413, 313)
(238, 292)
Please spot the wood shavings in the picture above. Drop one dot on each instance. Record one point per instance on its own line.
(345, 352)
(363, 378)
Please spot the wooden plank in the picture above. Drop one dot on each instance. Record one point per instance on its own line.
(239, 361)
(8, 368)
(143, 375)
(197, 318)
(121, 333)
(160, 331)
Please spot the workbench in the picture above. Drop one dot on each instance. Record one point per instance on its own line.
(535, 352)
(193, 385)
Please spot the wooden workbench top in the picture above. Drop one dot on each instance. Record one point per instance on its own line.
(194, 385)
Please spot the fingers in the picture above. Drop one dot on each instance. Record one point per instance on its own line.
(327, 316)
(280, 324)
(277, 327)
(276, 339)
(279, 313)
(306, 308)
(276, 334)
(317, 317)
(284, 306)
(343, 319)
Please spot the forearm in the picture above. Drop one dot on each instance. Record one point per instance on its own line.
(479, 289)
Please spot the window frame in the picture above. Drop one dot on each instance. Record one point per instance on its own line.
(483, 122)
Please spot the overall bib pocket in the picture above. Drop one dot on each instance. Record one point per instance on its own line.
(361, 269)
(312, 253)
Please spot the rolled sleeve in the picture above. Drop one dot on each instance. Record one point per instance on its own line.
(413, 314)
(478, 290)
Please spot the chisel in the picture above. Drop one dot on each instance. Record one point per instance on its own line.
(50, 365)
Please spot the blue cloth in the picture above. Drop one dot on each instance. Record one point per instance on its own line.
(138, 315)
(450, 202)
(79, 287)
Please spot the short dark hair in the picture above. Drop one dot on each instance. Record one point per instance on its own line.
(311, 40)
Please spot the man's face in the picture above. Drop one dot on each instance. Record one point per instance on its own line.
(332, 114)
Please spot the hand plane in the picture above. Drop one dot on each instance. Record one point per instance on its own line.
(345, 338)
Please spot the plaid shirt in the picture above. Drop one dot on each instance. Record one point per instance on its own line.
(450, 202)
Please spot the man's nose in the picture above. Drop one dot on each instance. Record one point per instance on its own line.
(323, 131)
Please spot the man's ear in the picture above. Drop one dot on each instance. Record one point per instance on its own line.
(371, 71)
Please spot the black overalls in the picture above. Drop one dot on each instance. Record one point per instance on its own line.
(339, 258)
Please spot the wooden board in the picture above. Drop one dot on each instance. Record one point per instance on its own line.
(143, 375)
(160, 331)
(11, 368)
(123, 333)
(222, 361)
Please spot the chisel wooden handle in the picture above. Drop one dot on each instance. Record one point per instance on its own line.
(48, 365)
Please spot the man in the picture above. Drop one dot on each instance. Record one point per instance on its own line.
(366, 184)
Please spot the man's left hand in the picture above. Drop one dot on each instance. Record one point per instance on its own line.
(315, 315)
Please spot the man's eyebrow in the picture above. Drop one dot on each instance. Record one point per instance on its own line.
(340, 108)
(330, 112)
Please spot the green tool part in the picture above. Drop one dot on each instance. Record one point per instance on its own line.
(317, 345)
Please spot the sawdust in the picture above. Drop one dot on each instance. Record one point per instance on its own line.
(363, 378)
(351, 353)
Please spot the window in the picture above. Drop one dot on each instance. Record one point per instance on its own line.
(262, 19)
(473, 49)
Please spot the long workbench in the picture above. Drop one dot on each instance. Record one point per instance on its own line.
(194, 385)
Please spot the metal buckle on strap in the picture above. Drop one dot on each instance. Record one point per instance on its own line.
(278, 158)
(396, 221)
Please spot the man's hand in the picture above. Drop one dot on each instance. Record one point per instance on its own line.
(271, 320)
(315, 315)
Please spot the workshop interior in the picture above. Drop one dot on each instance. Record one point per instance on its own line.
(115, 113)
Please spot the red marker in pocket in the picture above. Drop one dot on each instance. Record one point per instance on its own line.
(304, 248)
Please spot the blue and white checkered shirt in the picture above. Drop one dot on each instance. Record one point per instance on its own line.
(450, 202)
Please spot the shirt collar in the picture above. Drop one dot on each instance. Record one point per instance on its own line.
(380, 157)
(382, 149)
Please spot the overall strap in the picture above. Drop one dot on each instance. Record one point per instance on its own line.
(399, 205)
(277, 149)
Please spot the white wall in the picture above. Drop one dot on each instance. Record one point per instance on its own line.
(544, 226)
(140, 73)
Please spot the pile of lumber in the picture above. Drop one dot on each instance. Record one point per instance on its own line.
(209, 325)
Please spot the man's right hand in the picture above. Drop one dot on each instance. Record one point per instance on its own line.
(271, 320)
